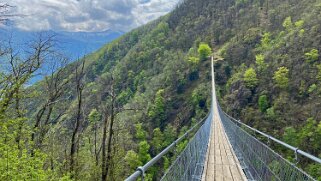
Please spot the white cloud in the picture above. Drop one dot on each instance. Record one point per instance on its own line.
(87, 15)
(152, 9)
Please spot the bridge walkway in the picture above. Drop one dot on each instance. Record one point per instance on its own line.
(221, 163)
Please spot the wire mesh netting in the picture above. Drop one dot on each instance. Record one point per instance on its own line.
(190, 163)
(259, 161)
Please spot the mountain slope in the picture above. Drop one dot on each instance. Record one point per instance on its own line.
(158, 86)
(283, 33)
(238, 31)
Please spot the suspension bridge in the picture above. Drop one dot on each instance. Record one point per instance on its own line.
(221, 149)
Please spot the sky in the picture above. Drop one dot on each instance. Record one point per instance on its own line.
(87, 15)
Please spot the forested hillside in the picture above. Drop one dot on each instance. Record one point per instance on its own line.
(111, 111)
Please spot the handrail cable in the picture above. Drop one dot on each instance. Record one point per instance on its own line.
(142, 169)
(296, 150)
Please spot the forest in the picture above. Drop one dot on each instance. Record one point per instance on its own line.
(105, 114)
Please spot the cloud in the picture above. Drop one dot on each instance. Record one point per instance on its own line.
(87, 15)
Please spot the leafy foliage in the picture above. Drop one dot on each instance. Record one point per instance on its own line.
(312, 56)
(143, 152)
(287, 24)
(140, 132)
(169, 135)
(158, 140)
(132, 159)
(250, 78)
(263, 103)
(157, 111)
(94, 116)
(281, 77)
(204, 51)
(260, 62)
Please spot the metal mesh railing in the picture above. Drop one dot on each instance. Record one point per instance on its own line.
(258, 160)
(190, 163)
(201, 138)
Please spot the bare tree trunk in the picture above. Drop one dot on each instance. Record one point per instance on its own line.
(106, 156)
(55, 86)
(75, 136)
(19, 116)
(108, 128)
(95, 142)
(36, 126)
(110, 136)
(103, 153)
(44, 130)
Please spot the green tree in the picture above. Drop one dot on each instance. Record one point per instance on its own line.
(167, 162)
(287, 23)
(318, 66)
(18, 164)
(169, 135)
(299, 24)
(281, 77)
(310, 135)
(312, 88)
(192, 57)
(266, 41)
(204, 50)
(143, 152)
(20, 159)
(194, 61)
(263, 103)
(198, 98)
(158, 140)
(157, 112)
(250, 78)
(260, 62)
(132, 159)
(291, 137)
(94, 116)
(312, 56)
(140, 132)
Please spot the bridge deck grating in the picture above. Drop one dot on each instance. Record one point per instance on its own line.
(221, 162)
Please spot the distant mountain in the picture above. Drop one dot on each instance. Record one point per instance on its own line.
(79, 44)
(74, 44)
